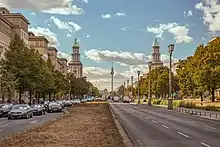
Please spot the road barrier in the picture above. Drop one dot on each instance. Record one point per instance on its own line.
(201, 113)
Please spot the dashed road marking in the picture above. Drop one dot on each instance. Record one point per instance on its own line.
(202, 143)
(165, 126)
(146, 118)
(209, 127)
(183, 134)
(154, 121)
(34, 122)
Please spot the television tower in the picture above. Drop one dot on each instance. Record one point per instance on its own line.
(112, 76)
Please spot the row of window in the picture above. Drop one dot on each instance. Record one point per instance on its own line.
(42, 44)
(5, 28)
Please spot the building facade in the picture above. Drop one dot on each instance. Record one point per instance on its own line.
(39, 43)
(11, 23)
(156, 61)
(75, 65)
(64, 67)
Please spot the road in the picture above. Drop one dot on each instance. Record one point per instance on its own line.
(153, 127)
(8, 127)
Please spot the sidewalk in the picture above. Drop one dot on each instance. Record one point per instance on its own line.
(214, 115)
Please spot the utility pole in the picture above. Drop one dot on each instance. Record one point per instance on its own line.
(132, 88)
(138, 72)
(112, 76)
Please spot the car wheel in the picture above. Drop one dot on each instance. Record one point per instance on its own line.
(31, 115)
(27, 115)
(9, 118)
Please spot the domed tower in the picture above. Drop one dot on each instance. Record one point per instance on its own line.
(156, 61)
(75, 65)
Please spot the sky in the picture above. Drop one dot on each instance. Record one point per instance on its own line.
(121, 31)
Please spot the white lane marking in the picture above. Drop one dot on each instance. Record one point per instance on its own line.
(202, 143)
(154, 121)
(209, 127)
(1, 130)
(146, 118)
(34, 122)
(183, 134)
(165, 126)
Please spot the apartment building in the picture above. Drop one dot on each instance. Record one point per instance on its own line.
(39, 43)
(64, 67)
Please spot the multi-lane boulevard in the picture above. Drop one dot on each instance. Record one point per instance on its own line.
(153, 127)
(8, 127)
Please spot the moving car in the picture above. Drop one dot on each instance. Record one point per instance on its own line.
(116, 99)
(38, 109)
(20, 111)
(4, 109)
(126, 99)
(54, 107)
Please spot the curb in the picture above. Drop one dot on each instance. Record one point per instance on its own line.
(125, 137)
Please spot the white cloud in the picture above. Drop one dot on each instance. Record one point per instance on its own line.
(125, 28)
(62, 7)
(188, 13)
(124, 58)
(158, 31)
(120, 14)
(68, 35)
(106, 16)
(34, 14)
(180, 32)
(51, 37)
(211, 11)
(87, 36)
(63, 55)
(85, 1)
(70, 26)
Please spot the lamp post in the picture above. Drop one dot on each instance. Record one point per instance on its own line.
(149, 84)
(170, 100)
(132, 88)
(138, 72)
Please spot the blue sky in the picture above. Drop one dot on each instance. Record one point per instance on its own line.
(132, 28)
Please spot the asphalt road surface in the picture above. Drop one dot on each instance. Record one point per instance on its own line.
(153, 127)
(8, 127)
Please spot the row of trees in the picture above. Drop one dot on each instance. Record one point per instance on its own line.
(23, 70)
(194, 76)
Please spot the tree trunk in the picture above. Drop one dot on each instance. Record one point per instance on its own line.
(3, 98)
(213, 95)
(49, 96)
(37, 97)
(54, 95)
(201, 99)
(19, 96)
(30, 95)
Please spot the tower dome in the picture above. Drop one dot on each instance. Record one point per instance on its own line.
(75, 44)
(156, 44)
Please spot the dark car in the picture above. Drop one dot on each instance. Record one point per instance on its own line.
(38, 109)
(54, 107)
(4, 109)
(20, 111)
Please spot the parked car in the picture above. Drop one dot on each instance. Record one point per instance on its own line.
(76, 101)
(68, 103)
(116, 99)
(126, 99)
(4, 109)
(38, 109)
(20, 111)
(54, 107)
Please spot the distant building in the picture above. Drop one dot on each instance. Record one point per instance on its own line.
(39, 43)
(75, 65)
(64, 67)
(156, 61)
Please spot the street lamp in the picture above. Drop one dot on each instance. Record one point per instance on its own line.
(138, 72)
(170, 100)
(149, 84)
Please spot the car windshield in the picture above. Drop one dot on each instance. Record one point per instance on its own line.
(19, 107)
(4, 106)
(35, 106)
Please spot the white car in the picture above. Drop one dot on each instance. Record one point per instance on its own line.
(126, 99)
(116, 99)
